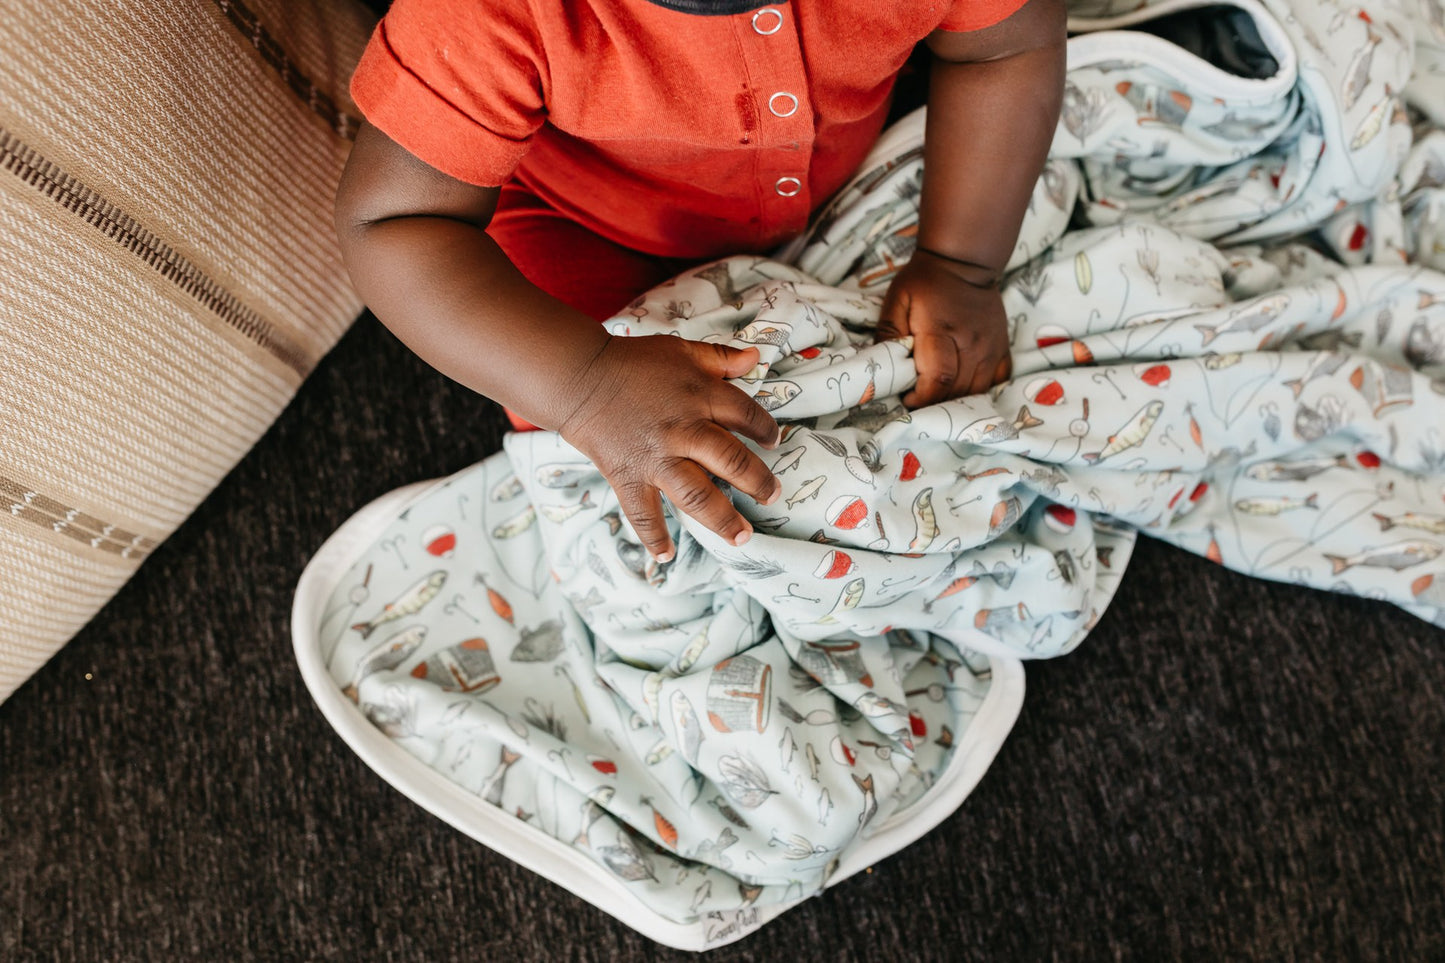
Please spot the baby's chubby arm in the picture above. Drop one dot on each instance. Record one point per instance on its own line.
(653, 413)
(993, 103)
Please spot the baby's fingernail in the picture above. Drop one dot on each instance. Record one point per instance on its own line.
(774, 494)
(663, 557)
(742, 537)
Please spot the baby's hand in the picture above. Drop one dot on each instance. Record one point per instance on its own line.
(655, 413)
(960, 331)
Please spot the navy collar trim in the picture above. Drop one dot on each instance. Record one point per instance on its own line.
(714, 8)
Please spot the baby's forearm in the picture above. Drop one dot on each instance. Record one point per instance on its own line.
(416, 247)
(993, 105)
(449, 293)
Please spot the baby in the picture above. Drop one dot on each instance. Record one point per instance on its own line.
(528, 167)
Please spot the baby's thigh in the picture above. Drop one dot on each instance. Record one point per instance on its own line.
(573, 264)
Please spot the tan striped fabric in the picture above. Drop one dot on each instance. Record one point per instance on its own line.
(168, 272)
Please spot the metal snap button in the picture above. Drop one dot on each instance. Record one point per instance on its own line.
(788, 186)
(789, 104)
(768, 21)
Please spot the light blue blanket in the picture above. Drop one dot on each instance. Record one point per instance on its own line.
(697, 746)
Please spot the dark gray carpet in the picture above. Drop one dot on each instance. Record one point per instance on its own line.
(1227, 769)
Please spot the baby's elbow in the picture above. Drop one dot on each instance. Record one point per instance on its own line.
(348, 210)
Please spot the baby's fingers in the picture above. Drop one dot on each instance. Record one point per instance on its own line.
(643, 507)
(690, 490)
(734, 410)
(720, 360)
(733, 462)
(936, 356)
(991, 370)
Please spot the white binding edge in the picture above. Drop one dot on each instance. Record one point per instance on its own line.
(1107, 38)
(549, 857)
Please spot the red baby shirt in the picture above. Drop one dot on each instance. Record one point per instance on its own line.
(673, 133)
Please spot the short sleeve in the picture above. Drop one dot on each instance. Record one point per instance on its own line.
(977, 14)
(458, 83)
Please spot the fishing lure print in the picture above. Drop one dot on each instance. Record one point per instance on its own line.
(409, 602)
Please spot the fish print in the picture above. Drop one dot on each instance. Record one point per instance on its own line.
(1252, 318)
(771, 333)
(491, 788)
(789, 460)
(809, 489)
(1133, 433)
(560, 513)
(777, 394)
(1434, 524)
(688, 657)
(686, 725)
(1323, 364)
(987, 431)
(873, 416)
(1396, 556)
(410, 602)
(508, 488)
(541, 643)
(1301, 469)
(1357, 74)
(385, 657)
(1275, 506)
(925, 522)
(564, 475)
(517, 524)
(848, 599)
(1373, 121)
(870, 799)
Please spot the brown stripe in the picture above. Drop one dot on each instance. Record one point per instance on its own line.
(48, 513)
(271, 51)
(69, 193)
